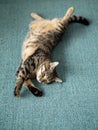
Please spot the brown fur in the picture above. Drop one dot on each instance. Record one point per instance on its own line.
(36, 52)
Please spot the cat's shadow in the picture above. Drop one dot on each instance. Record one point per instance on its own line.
(60, 51)
(25, 92)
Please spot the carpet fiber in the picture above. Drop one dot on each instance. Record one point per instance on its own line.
(72, 105)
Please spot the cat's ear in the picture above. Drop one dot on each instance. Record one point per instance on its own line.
(54, 64)
(57, 79)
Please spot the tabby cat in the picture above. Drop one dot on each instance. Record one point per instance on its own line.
(36, 51)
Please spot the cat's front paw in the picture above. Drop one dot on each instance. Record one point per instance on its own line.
(38, 93)
(35, 91)
(16, 94)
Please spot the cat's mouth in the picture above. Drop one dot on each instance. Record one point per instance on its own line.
(43, 81)
(46, 82)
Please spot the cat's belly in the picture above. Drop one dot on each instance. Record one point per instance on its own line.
(28, 50)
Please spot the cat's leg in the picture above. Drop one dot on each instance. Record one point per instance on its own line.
(18, 87)
(20, 80)
(33, 89)
(68, 14)
(36, 16)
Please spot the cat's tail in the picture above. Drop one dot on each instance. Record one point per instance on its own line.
(68, 18)
(78, 19)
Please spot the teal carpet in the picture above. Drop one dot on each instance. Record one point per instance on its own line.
(72, 105)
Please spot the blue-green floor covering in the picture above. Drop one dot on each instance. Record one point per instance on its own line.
(72, 105)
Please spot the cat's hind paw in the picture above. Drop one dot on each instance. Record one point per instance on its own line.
(36, 16)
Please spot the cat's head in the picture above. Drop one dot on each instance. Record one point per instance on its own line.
(47, 73)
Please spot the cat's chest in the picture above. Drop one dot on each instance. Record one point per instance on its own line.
(30, 72)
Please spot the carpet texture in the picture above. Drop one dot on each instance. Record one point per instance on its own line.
(72, 105)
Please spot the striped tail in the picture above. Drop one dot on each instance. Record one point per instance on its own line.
(78, 19)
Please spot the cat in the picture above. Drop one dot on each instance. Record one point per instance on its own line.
(36, 51)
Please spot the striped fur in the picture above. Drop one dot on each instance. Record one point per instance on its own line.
(36, 51)
(78, 19)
